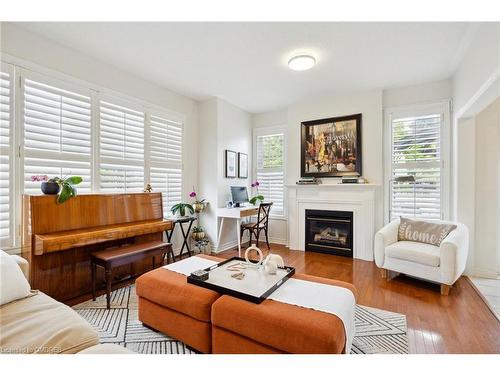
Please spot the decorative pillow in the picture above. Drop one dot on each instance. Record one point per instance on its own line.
(423, 231)
(13, 284)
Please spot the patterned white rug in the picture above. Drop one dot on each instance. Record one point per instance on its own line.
(377, 331)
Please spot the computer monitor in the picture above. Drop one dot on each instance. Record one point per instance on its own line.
(239, 194)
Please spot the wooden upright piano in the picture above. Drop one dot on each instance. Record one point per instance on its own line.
(58, 238)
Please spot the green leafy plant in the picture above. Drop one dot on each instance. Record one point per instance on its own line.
(257, 198)
(181, 207)
(67, 185)
(197, 229)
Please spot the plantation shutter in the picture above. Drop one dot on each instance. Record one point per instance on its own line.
(416, 150)
(6, 104)
(57, 134)
(166, 159)
(270, 170)
(121, 148)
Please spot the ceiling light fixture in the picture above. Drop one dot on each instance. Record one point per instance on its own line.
(301, 62)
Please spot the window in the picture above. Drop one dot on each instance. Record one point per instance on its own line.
(166, 159)
(269, 162)
(6, 119)
(66, 127)
(121, 148)
(418, 148)
(57, 125)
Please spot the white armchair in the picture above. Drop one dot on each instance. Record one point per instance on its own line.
(443, 264)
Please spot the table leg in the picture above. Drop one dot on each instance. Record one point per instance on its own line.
(238, 234)
(93, 270)
(185, 236)
(107, 273)
(220, 233)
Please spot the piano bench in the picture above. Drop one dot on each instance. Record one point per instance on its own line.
(123, 255)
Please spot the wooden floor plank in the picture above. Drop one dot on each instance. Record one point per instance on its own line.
(458, 323)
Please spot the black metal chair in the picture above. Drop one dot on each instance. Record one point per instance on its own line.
(262, 224)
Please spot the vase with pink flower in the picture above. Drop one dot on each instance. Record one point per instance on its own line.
(257, 198)
(198, 205)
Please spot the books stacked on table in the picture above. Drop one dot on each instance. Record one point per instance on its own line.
(308, 181)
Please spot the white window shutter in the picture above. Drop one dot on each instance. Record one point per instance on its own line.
(121, 148)
(6, 96)
(166, 158)
(57, 134)
(416, 151)
(270, 170)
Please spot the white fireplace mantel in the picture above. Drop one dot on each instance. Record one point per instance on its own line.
(357, 198)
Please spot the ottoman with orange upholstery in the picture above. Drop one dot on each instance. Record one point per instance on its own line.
(242, 327)
(180, 310)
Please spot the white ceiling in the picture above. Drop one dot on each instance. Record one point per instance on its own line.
(246, 63)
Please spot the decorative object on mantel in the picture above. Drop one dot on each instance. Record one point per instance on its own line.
(331, 147)
(308, 181)
(65, 186)
(258, 198)
(242, 165)
(230, 164)
(148, 188)
(350, 180)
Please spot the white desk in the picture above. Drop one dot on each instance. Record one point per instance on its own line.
(235, 214)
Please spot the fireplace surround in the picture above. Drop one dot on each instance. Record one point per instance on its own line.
(356, 198)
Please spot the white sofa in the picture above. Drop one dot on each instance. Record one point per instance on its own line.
(443, 264)
(40, 324)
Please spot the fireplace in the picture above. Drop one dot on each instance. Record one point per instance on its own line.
(329, 232)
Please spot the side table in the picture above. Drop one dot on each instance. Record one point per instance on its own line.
(185, 234)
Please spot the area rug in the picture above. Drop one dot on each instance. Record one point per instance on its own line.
(377, 331)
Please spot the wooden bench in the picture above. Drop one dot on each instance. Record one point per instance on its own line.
(119, 256)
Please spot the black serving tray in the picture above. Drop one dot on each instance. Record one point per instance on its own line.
(289, 272)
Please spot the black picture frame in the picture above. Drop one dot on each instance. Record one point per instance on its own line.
(234, 293)
(340, 147)
(231, 163)
(242, 165)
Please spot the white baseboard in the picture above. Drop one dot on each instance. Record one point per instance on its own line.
(488, 274)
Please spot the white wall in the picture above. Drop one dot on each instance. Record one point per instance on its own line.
(33, 51)
(475, 85)
(487, 190)
(480, 61)
(431, 92)
(234, 133)
(369, 104)
(223, 126)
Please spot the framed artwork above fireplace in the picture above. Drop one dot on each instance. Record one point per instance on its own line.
(331, 147)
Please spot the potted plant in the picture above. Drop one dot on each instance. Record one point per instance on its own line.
(179, 209)
(258, 198)
(198, 205)
(198, 233)
(65, 187)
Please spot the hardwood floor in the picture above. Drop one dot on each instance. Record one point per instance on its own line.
(458, 323)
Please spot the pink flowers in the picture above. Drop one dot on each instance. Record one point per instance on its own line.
(39, 177)
(255, 184)
(192, 194)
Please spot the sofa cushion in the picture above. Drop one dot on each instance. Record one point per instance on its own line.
(40, 324)
(171, 289)
(414, 252)
(13, 284)
(432, 233)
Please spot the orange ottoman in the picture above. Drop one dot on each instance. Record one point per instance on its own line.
(241, 327)
(180, 310)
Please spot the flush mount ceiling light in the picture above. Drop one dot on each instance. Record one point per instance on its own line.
(301, 62)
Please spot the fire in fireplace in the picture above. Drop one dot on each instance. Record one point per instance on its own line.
(329, 232)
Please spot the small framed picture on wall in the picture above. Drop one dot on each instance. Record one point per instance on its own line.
(230, 164)
(242, 165)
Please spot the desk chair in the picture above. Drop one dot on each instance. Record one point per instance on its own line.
(262, 224)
